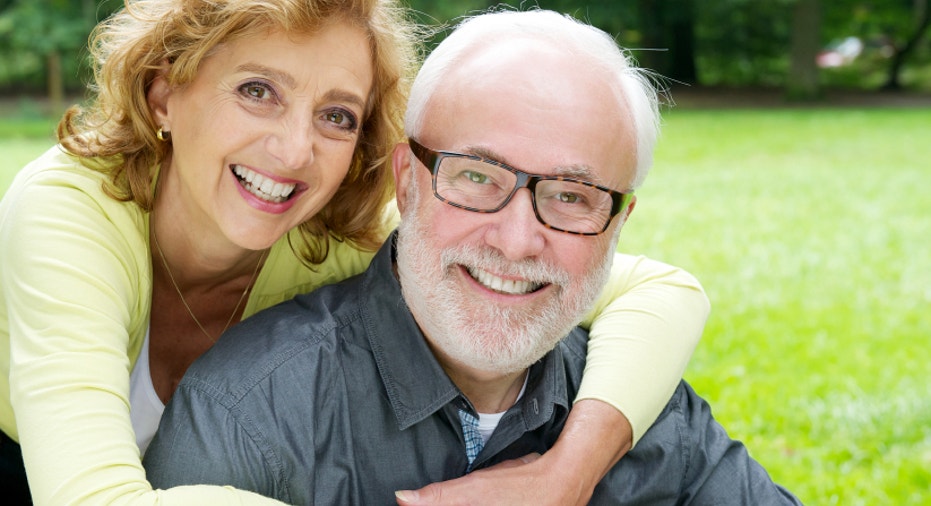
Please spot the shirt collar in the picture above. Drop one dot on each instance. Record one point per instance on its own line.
(415, 382)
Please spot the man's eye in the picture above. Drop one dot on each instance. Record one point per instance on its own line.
(568, 198)
(476, 177)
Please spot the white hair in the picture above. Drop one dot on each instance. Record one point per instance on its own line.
(561, 31)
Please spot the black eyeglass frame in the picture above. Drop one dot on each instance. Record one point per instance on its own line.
(431, 160)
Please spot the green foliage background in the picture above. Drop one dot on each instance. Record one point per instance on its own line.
(737, 42)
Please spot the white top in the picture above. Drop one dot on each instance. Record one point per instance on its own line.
(145, 408)
(487, 422)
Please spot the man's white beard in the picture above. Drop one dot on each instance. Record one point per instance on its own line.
(477, 332)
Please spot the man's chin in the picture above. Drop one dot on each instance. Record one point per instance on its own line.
(497, 369)
(499, 363)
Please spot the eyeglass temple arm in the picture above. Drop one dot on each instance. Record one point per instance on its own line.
(426, 156)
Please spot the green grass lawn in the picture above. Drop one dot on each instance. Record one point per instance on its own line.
(811, 232)
(21, 140)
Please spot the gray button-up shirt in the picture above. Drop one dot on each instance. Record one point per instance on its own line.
(335, 398)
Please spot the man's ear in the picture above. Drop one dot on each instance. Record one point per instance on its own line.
(401, 162)
(626, 212)
(157, 97)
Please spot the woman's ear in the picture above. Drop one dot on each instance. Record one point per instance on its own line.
(401, 162)
(157, 97)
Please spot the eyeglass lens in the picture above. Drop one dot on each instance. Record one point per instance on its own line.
(567, 205)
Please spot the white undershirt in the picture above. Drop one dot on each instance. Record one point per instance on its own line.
(488, 422)
(145, 408)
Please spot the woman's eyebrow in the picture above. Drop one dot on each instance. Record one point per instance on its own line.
(275, 74)
(340, 95)
(290, 81)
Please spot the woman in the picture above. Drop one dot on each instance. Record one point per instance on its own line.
(236, 155)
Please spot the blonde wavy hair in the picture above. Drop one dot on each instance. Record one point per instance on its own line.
(129, 48)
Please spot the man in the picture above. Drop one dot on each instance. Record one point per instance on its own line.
(456, 349)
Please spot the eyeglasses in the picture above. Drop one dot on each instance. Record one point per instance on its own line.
(483, 185)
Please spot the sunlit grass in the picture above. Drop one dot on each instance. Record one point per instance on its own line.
(24, 134)
(28, 129)
(811, 232)
(17, 152)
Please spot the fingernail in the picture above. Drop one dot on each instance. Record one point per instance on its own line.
(406, 495)
(530, 457)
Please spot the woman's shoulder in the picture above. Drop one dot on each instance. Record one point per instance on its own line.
(56, 170)
(58, 189)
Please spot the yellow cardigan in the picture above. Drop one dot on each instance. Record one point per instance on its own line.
(75, 295)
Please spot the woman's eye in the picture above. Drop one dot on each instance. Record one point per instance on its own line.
(341, 119)
(257, 91)
(336, 117)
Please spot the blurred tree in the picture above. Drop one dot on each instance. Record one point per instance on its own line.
(730, 43)
(772, 43)
(48, 28)
(892, 34)
(616, 18)
(742, 42)
(802, 82)
(922, 17)
(669, 28)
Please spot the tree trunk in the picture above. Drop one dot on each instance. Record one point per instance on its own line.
(923, 16)
(56, 86)
(653, 45)
(669, 37)
(802, 81)
(682, 42)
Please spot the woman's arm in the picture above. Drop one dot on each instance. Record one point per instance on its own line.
(644, 328)
(75, 287)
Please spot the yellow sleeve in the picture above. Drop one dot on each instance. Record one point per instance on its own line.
(285, 276)
(74, 293)
(643, 330)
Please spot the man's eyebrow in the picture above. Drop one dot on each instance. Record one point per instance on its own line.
(578, 171)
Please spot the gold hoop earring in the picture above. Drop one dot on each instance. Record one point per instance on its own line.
(162, 135)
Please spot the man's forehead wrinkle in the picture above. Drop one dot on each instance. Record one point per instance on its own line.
(574, 171)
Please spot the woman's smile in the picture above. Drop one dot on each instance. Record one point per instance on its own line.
(263, 187)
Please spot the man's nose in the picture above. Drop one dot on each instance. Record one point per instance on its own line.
(516, 231)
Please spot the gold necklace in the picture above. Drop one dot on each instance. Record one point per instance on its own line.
(186, 306)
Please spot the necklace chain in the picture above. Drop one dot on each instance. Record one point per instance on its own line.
(188, 307)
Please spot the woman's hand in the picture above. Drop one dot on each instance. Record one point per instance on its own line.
(595, 437)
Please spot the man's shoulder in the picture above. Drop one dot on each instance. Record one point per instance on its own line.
(575, 345)
(292, 338)
(571, 354)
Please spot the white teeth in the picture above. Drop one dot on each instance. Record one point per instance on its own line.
(507, 286)
(261, 186)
